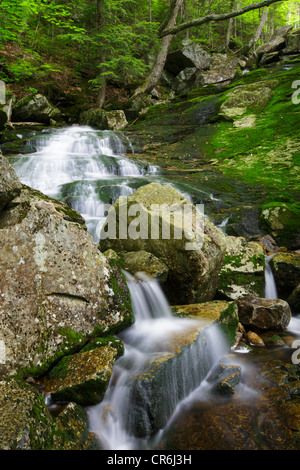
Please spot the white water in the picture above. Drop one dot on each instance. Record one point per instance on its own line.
(270, 284)
(84, 167)
(132, 410)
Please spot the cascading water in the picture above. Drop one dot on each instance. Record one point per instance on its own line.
(84, 167)
(270, 284)
(135, 410)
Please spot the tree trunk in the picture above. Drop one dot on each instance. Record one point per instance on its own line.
(257, 34)
(102, 90)
(230, 27)
(160, 61)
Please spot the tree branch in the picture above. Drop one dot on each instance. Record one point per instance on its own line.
(216, 18)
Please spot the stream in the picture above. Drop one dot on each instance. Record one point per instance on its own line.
(89, 170)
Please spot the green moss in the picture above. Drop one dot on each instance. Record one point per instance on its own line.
(228, 322)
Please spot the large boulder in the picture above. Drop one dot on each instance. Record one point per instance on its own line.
(10, 186)
(101, 119)
(36, 109)
(193, 251)
(254, 96)
(223, 68)
(264, 314)
(190, 55)
(83, 377)
(58, 289)
(276, 43)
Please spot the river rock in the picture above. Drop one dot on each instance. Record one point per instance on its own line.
(10, 186)
(242, 272)
(282, 222)
(83, 378)
(36, 109)
(224, 377)
(264, 314)
(286, 270)
(151, 219)
(58, 289)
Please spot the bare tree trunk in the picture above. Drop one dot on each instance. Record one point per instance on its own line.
(257, 33)
(230, 27)
(158, 67)
(102, 90)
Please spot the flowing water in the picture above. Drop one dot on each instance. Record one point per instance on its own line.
(270, 284)
(138, 405)
(83, 167)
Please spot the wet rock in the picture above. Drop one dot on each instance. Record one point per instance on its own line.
(264, 314)
(58, 289)
(101, 119)
(242, 272)
(224, 377)
(37, 109)
(83, 378)
(286, 270)
(254, 339)
(10, 186)
(72, 430)
(193, 255)
(142, 261)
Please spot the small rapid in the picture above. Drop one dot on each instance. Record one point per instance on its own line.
(153, 375)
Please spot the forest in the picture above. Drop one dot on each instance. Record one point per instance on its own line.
(107, 48)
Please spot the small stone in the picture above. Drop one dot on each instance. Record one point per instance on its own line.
(254, 339)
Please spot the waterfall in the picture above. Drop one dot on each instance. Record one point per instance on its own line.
(134, 410)
(270, 285)
(83, 167)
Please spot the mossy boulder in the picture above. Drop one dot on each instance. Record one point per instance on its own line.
(25, 421)
(242, 272)
(243, 98)
(82, 378)
(101, 119)
(282, 222)
(27, 424)
(36, 109)
(160, 220)
(58, 289)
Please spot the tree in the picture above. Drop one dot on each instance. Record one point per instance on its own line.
(169, 28)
